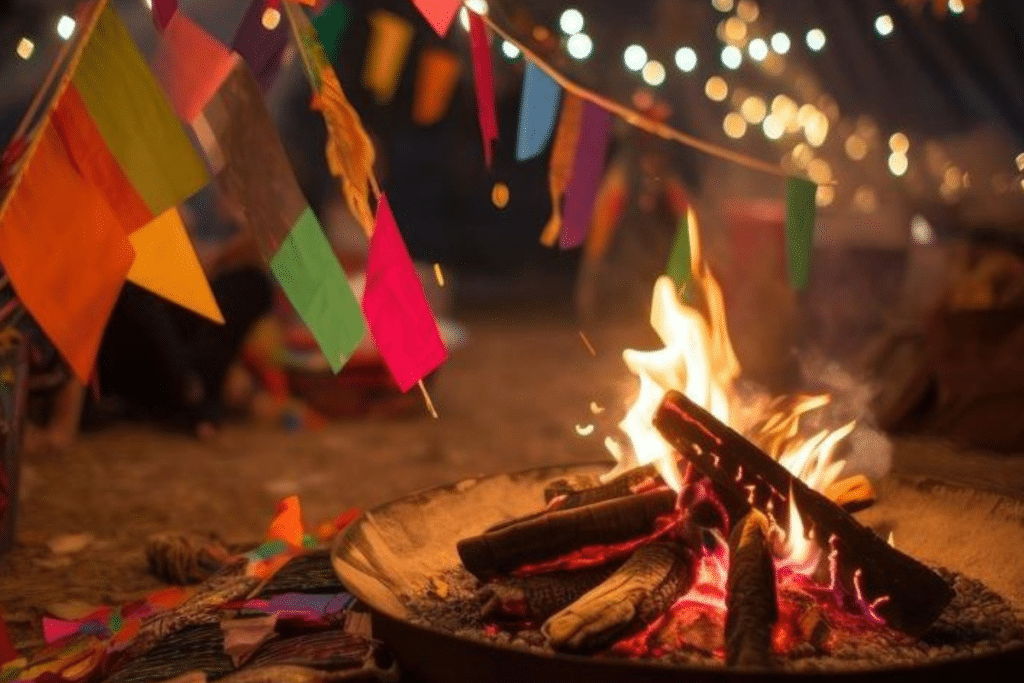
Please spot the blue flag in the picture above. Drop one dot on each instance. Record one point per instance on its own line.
(537, 112)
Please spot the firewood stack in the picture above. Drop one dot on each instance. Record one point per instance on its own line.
(602, 562)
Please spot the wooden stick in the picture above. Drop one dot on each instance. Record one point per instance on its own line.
(893, 586)
(750, 595)
(625, 484)
(548, 535)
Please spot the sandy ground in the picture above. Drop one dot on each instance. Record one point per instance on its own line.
(510, 399)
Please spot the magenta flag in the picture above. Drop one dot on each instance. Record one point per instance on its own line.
(483, 77)
(581, 194)
(163, 10)
(395, 307)
(438, 13)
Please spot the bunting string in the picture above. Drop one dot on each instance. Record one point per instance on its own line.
(633, 117)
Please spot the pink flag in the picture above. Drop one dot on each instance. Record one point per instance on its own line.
(190, 65)
(581, 194)
(163, 10)
(483, 76)
(396, 309)
(438, 13)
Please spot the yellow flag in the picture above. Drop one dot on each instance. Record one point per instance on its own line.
(166, 264)
(390, 40)
(436, 79)
(563, 153)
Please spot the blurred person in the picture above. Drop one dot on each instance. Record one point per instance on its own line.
(166, 363)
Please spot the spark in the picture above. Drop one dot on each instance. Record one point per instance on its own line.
(595, 408)
(585, 430)
(587, 344)
(438, 275)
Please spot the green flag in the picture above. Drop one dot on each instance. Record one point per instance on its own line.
(800, 208)
(678, 267)
(331, 25)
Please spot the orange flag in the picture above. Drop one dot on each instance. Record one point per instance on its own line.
(66, 252)
(563, 156)
(167, 265)
(437, 76)
(390, 40)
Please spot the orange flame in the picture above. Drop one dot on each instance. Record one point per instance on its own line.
(698, 360)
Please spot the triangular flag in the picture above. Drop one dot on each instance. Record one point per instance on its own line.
(287, 524)
(563, 154)
(438, 13)
(390, 40)
(483, 77)
(190, 65)
(538, 111)
(595, 133)
(437, 76)
(166, 264)
(800, 210)
(261, 39)
(403, 327)
(331, 25)
(163, 10)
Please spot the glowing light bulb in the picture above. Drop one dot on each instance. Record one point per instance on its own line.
(580, 46)
(510, 50)
(856, 147)
(773, 127)
(686, 59)
(731, 57)
(898, 163)
(883, 25)
(478, 6)
(654, 73)
(271, 18)
(753, 110)
(723, 5)
(25, 48)
(781, 43)
(921, 230)
(65, 27)
(816, 39)
(734, 125)
(757, 49)
(716, 89)
(956, 6)
(635, 57)
(571, 21)
(899, 142)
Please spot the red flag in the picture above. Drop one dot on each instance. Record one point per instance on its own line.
(396, 309)
(438, 13)
(483, 76)
(190, 65)
(163, 10)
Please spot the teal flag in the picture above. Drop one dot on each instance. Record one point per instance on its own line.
(800, 211)
(538, 111)
(331, 25)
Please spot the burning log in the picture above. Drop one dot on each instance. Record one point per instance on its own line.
(752, 608)
(535, 598)
(634, 596)
(586, 490)
(550, 534)
(892, 586)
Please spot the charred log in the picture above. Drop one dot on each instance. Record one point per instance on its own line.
(535, 598)
(542, 537)
(751, 603)
(634, 596)
(580, 491)
(904, 592)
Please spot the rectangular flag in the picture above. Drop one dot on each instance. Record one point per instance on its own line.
(390, 40)
(401, 322)
(483, 78)
(595, 133)
(190, 65)
(538, 111)
(350, 153)
(800, 210)
(238, 132)
(120, 132)
(261, 39)
(65, 250)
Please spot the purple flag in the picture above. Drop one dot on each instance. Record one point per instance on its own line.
(261, 41)
(586, 175)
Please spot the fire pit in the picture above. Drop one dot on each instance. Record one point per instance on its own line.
(722, 543)
(402, 555)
